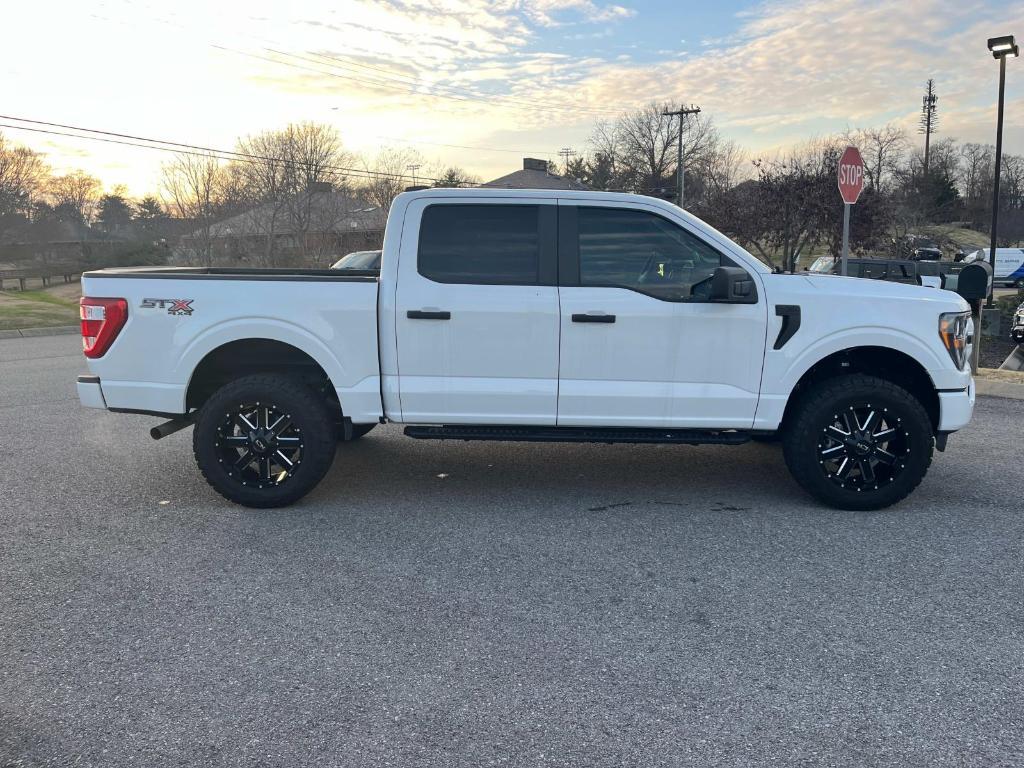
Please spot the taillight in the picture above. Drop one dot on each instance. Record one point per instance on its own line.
(102, 320)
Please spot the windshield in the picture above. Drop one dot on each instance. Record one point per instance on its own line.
(822, 264)
(359, 260)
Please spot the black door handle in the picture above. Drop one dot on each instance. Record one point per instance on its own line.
(420, 314)
(579, 318)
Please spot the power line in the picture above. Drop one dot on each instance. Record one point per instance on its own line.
(465, 146)
(111, 137)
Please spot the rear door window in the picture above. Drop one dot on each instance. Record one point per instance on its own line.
(480, 244)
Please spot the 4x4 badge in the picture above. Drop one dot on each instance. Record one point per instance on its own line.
(173, 306)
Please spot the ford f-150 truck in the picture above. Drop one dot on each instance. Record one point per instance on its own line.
(535, 315)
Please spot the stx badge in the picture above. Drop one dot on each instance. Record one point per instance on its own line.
(173, 306)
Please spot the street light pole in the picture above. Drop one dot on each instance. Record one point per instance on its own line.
(995, 184)
(1001, 48)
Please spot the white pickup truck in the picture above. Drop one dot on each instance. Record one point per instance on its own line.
(535, 315)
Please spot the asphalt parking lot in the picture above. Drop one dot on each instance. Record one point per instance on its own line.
(496, 604)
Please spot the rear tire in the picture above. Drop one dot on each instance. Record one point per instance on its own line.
(858, 442)
(264, 440)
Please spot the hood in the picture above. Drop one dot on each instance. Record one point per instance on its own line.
(838, 285)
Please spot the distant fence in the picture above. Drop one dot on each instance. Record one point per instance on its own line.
(45, 275)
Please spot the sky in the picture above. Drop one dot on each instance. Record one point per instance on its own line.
(483, 83)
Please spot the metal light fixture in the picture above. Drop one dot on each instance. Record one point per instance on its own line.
(1003, 46)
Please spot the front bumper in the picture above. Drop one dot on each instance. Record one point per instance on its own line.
(956, 408)
(90, 394)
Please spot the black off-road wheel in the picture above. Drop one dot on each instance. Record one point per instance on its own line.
(264, 440)
(858, 442)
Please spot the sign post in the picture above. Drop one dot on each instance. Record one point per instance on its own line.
(851, 182)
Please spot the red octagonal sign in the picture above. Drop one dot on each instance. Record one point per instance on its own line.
(851, 175)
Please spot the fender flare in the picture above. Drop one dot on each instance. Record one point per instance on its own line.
(242, 329)
(855, 338)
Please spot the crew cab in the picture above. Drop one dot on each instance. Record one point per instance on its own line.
(535, 315)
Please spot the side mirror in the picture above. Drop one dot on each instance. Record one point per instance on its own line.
(732, 285)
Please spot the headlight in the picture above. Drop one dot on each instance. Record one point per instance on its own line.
(954, 329)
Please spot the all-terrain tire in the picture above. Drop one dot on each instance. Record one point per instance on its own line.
(306, 452)
(814, 446)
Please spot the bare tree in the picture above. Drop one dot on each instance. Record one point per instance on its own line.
(882, 149)
(314, 177)
(22, 176)
(191, 185)
(1011, 183)
(75, 195)
(454, 176)
(796, 195)
(724, 166)
(975, 169)
(643, 146)
(388, 174)
(286, 175)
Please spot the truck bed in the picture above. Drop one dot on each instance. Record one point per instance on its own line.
(177, 316)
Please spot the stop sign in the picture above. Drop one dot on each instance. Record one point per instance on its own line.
(851, 175)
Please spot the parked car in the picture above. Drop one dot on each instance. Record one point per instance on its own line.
(1017, 327)
(927, 253)
(535, 315)
(358, 260)
(1009, 265)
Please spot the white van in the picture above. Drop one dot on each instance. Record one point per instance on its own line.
(1009, 265)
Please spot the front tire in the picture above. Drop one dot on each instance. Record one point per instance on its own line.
(858, 442)
(264, 440)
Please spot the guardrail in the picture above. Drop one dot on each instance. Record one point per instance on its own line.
(45, 275)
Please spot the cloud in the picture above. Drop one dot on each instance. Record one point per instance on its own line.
(485, 71)
(551, 13)
(795, 69)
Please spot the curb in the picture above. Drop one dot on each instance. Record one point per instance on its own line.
(27, 333)
(992, 388)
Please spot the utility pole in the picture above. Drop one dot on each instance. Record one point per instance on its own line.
(566, 153)
(681, 112)
(929, 118)
(413, 167)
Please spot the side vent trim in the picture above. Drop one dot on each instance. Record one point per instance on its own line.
(790, 314)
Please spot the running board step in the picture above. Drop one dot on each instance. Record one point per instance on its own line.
(580, 435)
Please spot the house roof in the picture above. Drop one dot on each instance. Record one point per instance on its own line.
(535, 175)
(525, 179)
(329, 211)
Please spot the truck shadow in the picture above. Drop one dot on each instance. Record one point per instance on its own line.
(386, 468)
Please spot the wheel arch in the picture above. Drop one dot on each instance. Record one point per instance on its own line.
(238, 357)
(886, 363)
